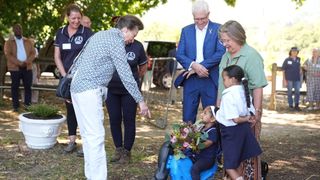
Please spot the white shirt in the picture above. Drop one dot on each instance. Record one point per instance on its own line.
(233, 105)
(200, 36)
(21, 52)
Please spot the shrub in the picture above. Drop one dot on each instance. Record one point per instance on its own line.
(43, 110)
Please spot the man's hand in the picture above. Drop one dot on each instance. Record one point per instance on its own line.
(23, 64)
(200, 70)
(189, 73)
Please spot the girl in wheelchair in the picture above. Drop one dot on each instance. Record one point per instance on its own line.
(207, 156)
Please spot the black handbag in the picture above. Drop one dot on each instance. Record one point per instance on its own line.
(63, 89)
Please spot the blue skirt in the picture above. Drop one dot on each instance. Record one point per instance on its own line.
(238, 144)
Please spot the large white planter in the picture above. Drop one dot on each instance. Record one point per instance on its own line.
(40, 134)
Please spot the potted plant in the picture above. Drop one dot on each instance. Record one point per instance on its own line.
(41, 126)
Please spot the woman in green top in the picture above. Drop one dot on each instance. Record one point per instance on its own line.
(233, 38)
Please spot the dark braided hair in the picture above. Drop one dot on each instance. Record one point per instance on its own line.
(236, 72)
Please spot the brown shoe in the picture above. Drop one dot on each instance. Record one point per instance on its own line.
(126, 157)
(117, 154)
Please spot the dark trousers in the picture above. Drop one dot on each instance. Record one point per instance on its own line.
(122, 108)
(26, 76)
(197, 89)
(200, 165)
(71, 120)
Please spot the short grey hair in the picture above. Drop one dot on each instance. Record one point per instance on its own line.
(129, 21)
(234, 30)
(200, 6)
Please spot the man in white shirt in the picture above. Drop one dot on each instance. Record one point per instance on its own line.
(199, 50)
(20, 54)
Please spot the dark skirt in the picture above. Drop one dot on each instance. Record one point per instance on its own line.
(238, 144)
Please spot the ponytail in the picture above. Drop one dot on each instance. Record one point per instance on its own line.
(246, 91)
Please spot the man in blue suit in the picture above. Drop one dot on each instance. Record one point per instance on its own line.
(200, 52)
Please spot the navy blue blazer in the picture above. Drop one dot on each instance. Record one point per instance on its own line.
(212, 49)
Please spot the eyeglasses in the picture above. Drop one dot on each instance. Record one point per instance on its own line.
(225, 41)
(201, 19)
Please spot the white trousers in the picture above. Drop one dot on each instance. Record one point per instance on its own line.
(88, 106)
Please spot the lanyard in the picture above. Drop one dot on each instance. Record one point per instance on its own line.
(228, 61)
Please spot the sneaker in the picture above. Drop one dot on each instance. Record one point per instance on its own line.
(70, 147)
(80, 153)
(126, 157)
(117, 154)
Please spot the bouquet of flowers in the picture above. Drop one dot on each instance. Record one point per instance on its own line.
(186, 139)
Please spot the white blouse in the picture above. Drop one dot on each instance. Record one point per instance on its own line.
(233, 105)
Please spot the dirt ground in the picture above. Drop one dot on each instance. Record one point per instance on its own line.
(290, 142)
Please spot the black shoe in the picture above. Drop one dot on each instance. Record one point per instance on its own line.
(291, 108)
(297, 108)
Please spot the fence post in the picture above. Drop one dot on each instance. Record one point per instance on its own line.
(272, 105)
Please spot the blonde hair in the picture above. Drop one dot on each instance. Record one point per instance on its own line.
(234, 30)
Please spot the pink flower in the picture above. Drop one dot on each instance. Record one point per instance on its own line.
(173, 139)
(185, 132)
(186, 144)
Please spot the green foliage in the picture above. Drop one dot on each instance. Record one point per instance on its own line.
(304, 35)
(298, 3)
(41, 18)
(43, 110)
(231, 2)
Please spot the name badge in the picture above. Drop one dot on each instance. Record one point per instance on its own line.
(66, 46)
(289, 62)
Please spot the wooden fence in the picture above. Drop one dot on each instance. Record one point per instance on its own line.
(41, 87)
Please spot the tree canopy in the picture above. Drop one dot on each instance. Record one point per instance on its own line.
(233, 2)
(41, 18)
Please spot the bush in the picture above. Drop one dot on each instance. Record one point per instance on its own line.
(43, 110)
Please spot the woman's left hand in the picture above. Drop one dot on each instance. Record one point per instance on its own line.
(252, 120)
(144, 110)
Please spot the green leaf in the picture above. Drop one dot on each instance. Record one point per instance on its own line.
(42, 18)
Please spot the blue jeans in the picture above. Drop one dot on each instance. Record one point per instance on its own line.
(296, 85)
